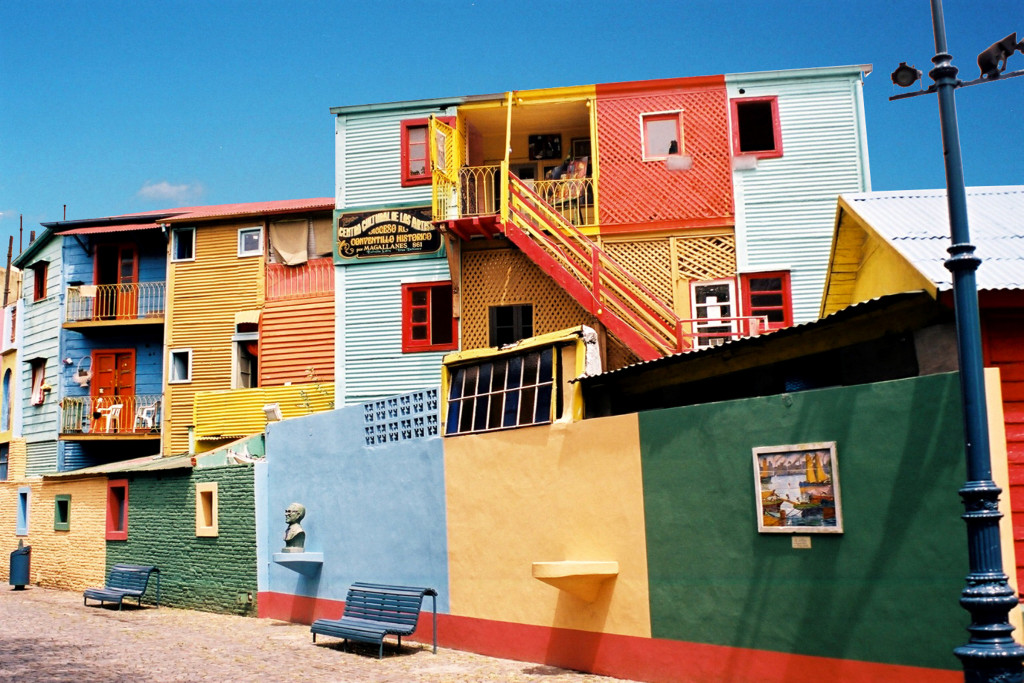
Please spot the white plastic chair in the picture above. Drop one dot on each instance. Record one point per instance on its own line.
(111, 416)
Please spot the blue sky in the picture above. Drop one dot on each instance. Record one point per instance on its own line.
(112, 107)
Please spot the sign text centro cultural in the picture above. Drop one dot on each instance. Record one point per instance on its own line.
(382, 234)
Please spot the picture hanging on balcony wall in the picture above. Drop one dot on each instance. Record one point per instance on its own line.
(545, 146)
(798, 489)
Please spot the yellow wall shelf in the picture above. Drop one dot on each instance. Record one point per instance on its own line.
(580, 578)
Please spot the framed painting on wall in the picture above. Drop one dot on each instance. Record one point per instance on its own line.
(797, 489)
(545, 146)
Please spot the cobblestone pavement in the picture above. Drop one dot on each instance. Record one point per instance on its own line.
(48, 635)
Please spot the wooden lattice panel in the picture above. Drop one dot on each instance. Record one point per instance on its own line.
(501, 277)
(634, 191)
(708, 257)
(618, 355)
(649, 261)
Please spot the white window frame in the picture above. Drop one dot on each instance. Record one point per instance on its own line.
(242, 232)
(176, 236)
(171, 379)
(678, 113)
(712, 313)
(237, 340)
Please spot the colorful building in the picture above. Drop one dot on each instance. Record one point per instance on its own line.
(888, 242)
(249, 319)
(667, 215)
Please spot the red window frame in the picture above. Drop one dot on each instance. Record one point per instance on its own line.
(40, 271)
(750, 308)
(117, 510)
(408, 179)
(776, 151)
(418, 316)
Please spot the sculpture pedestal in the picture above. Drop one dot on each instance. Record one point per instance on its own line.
(304, 563)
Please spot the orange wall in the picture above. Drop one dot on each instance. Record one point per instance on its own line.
(637, 194)
(296, 338)
(548, 494)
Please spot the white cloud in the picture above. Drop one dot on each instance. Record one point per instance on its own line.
(165, 191)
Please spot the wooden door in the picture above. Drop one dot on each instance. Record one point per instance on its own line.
(117, 274)
(113, 390)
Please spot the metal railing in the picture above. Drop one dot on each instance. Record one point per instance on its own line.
(124, 414)
(314, 277)
(479, 190)
(128, 301)
(573, 198)
(707, 332)
(479, 194)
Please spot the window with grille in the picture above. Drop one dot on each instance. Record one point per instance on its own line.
(427, 320)
(502, 393)
(768, 295)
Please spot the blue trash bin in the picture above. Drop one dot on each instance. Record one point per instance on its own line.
(21, 563)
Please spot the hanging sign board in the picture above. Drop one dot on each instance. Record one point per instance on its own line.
(376, 235)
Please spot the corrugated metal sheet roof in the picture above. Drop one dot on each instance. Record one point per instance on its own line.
(732, 346)
(916, 223)
(251, 209)
(111, 228)
(148, 463)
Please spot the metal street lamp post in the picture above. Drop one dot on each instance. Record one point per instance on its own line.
(991, 654)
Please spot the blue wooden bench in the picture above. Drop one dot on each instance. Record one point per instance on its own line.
(373, 610)
(124, 581)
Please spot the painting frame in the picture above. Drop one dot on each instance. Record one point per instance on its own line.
(580, 147)
(546, 146)
(796, 489)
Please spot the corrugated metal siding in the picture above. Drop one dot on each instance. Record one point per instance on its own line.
(203, 297)
(916, 222)
(371, 303)
(297, 339)
(786, 206)
(40, 458)
(235, 413)
(41, 330)
(370, 161)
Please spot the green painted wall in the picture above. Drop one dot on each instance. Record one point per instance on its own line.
(210, 574)
(886, 590)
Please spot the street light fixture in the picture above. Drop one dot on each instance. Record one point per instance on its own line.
(905, 76)
(991, 655)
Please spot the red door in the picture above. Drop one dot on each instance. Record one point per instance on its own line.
(113, 390)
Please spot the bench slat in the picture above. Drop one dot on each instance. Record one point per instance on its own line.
(124, 580)
(372, 611)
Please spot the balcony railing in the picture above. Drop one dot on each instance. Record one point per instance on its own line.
(314, 277)
(127, 414)
(479, 194)
(116, 303)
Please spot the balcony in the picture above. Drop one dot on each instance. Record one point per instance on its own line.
(139, 303)
(128, 416)
(313, 278)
